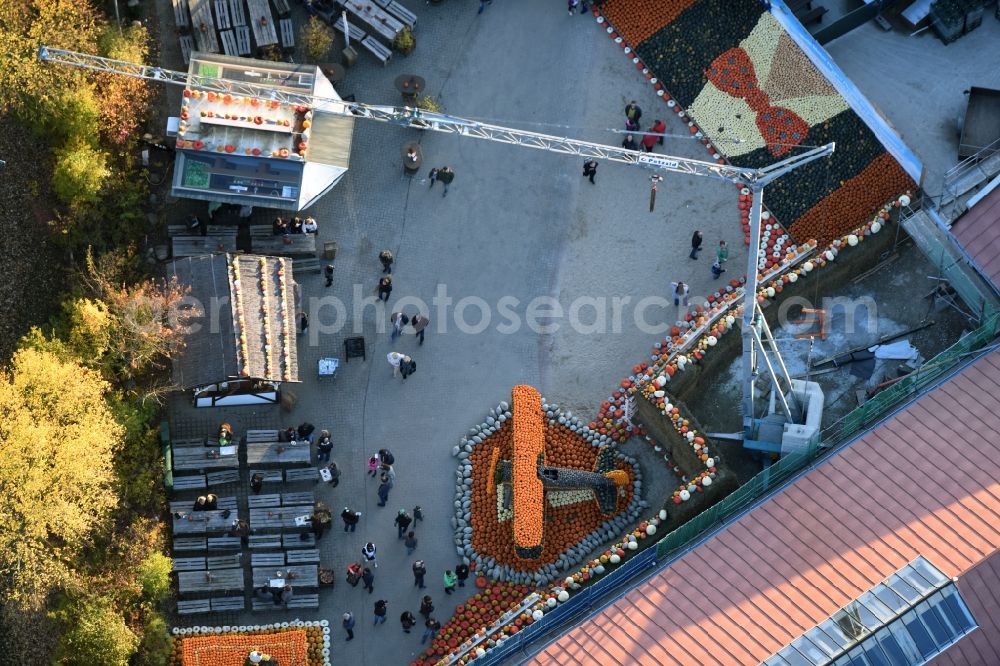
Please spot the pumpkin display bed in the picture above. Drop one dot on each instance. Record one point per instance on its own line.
(296, 642)
(534, 489)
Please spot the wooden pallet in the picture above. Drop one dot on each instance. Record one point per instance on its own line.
(242, 40)
(405, 16)
(232, 561)
(223, 477)
(228, 604)
(261, 231)
(222, 15)
(303, 474)
(281, 6)
(305, 556)
(265, 541)
(298, 601)
(270, 475)
(187, 46)
(296, 540)
(267, 559)
(229, 46)
(293, 499)
(306, 265)
(287, 31)
(224, 543)
(194, 606)
(239, 17)
(184, 544)
(355, 33)
(264, 501)
(187, 506)
(189, 564)
(262, 436)
(189, 482)
(181, 15)
(377, 49)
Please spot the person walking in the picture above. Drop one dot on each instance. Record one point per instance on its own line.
(717, 270)
(403, 521)
(681, 293)
(462, 573)
(385, 256)
(384, 487)
(303, 323)
(648, 141)
(696, 240)
(633, 114)
(572, 5)
(385, 457)
(389, 471)
(419, 323)
(433, 176)
(431, 627)
(381, 608)
(348, 623)
(590, 170)
(410, 542)
(426, 606)
(482, 6)
(398, 321)
(373, 465)
(334, 471)
(368, 578)
(324, 446)
(407, 367)
(449, 581)
(722, 252)
(385, 288)
(350, 518)
(446, 176)
(418, 516)
(659, 127)
(629, 143)
(407, 621)
(419, 571)
(368, 552)
(328, 272)
(395, 358)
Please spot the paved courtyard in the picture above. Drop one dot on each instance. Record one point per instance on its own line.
(517, 224)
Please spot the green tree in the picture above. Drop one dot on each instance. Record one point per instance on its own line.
(154, 576)
(95, 633)
(317, 39)
(79, 174)
(57, 443)
(154, 650)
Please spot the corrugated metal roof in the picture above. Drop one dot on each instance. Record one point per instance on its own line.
(979, 232)
(926, 482)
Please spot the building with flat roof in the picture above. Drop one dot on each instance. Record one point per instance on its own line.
(258, 152)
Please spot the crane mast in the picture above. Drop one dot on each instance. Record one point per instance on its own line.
(755, 179)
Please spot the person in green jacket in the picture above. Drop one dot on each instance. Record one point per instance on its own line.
(450, 580)
(722, 253)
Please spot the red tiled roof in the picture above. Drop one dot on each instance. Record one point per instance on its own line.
(979, 232)
(926, 482)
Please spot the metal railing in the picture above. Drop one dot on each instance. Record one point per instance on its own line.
(675, 544)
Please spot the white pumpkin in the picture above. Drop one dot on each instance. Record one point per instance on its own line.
(852, 240)
(537, 615)
(663, 513)
(904, 200)
(685, 495)
(563, 596)
(650, 530)
(712, 341)
(632, 545)
(708, 463)
(707, 481)
(551, 602)
(615, 558)
(876, 227)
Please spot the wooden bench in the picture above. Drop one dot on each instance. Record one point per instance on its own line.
(287, 31)
(222, 15)
(194, 246)
(264, 501)
(228, 604)
(187, 506)
(222, 477)
(290, 245)
(377, 49)
(265, 541)
(184, 544)
(242, 40)
(306, 265)
(181, 15)
(189, 482)
(189, 564)
(238, 16)
(233, 561)
(281, 6)
(229, 46)
(195, 606)
(262, 436)
(292, 499)
(298, 540)
(304, 556)
(298, 601)
(224, 543)
(302, 474)
(187, 46)
(190, 443)
(261, 231)
(267, 559)
(814, 15)
(405, 16)
(270, 475)
(354, 32)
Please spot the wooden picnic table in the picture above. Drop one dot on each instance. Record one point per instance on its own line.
(380, 21)
(212, 580)
(266, 453)
(285, 245)
(262, 23)
(202, 522)
(191, 246)
(203, 25)
(196, 458)
(305, 575)
(279, 518)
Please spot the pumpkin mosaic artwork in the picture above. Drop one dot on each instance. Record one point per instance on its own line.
(537, 485)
